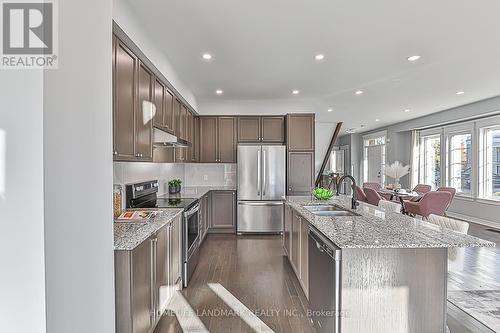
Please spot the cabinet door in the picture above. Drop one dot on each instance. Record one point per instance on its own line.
(287, 228)
(295, 242)
(144, 114)
(189, 136)
(304, 256)
(300, 131)
(162, 288)
(208, 139)
(223, 210)
(168, 112)
(183, 123)
(142, 315)
(248, 129)
(273, 129)
(159, 102)
(227, 139)
(196, 139)
(124, 94)
(175, 251)
(177, 117)
(300, 173)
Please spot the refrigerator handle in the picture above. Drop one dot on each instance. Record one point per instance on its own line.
(258, 172)
(264, 166)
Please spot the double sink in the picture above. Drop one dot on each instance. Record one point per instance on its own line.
(329, 210)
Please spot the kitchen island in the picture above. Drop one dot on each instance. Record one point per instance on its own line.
(370, 270)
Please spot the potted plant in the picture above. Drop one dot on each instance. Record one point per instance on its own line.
(174, 186)
(397, 170)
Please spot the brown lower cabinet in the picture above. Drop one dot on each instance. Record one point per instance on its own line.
(223, 212)
(300, 172)
(296, 244)
(145, 279)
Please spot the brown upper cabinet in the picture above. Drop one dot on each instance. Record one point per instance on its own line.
(144, 114)
(196, 135)
(124, 95)
(159, 101)
(300, 131)
(261, 129)
(208, 139)
(177, 117)
(226, 139)
(168, 111)
(217, 139)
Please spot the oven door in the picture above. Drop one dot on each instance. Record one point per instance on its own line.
(192, 230)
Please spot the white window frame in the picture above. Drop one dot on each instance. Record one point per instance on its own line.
(481, 126)
(422, 136)
(364, 170)
(449, 132)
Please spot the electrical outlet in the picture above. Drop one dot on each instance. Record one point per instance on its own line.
(205, 177)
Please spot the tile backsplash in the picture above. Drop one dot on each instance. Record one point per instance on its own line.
(206, 174)
(192, 174)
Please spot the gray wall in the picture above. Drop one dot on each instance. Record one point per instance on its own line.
(399, 148)
(78, 174)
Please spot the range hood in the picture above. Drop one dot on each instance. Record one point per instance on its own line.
(164, 139)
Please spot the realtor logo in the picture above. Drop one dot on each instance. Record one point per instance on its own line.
(29, 34)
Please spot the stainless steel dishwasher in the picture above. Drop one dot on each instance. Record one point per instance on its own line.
(324, 283)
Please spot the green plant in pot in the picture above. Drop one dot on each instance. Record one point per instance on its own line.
(174, 186)
(322, 193)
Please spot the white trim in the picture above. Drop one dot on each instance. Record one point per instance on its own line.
(375, 135)
(486, 201)
(472, 219)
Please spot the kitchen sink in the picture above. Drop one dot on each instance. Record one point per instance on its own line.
(329, 210)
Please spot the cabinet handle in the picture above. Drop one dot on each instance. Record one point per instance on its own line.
(115, 153)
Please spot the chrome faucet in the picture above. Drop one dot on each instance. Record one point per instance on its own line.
(354, 200)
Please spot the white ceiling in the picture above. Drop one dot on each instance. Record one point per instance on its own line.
(264, 49)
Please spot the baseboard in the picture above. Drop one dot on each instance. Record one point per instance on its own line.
(472, 219)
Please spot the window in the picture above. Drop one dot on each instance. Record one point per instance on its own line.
(374, 158)
(489, 163)
(460, 162)
(430, 162)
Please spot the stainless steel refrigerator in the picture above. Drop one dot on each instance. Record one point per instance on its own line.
(261, 187)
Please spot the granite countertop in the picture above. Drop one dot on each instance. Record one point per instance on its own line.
(197, 191)
(129, 235)
(374, 228)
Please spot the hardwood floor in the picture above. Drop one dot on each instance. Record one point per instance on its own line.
(473, 269)
(241, 284)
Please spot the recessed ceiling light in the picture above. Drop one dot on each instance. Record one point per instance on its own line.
(358, 92)
(295, 92)
(219, 92)
(377, 120)
(460, 92)
(319, 57)
(407, 110)
(329, 110)
(362, 126)
(206, 56)
(414, 58)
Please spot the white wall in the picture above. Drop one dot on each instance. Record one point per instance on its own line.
(78, 174)
(124, 16)
(22, 276)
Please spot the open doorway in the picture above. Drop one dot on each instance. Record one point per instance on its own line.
(374, 158)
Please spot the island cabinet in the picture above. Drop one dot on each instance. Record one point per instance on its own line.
(145, 279)
(265, 129)
(217, 139)
(296, 245)
(223, 212)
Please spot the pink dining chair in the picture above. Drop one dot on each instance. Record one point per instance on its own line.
(433, 202)
(422, 188)
(451, 190)
(372, 196)
(373, 185)
(361, 194)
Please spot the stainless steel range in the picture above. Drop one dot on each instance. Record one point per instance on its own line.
(144, 195)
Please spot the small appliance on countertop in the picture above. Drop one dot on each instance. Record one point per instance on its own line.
(145, 195)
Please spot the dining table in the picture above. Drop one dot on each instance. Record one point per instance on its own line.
(401, 195)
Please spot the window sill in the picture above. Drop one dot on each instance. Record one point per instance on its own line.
(488, 201)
